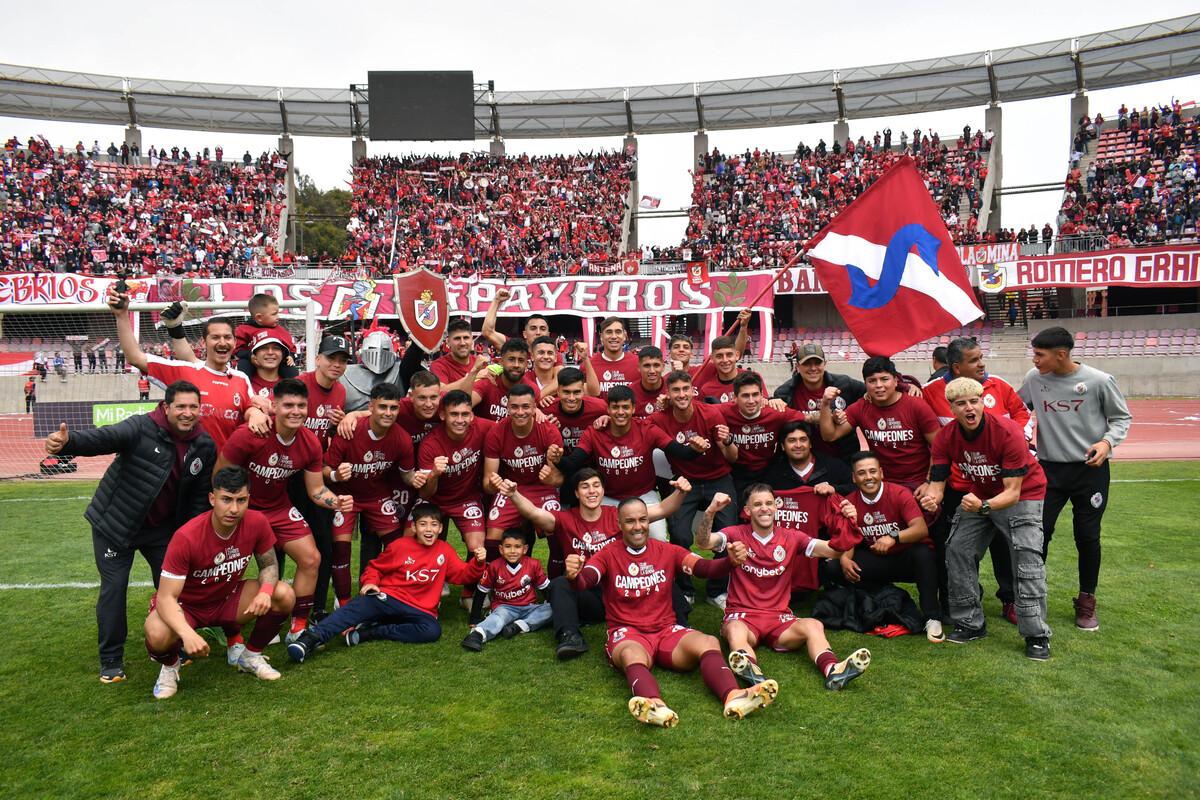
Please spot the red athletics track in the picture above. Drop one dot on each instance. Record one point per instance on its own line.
(1163, 430)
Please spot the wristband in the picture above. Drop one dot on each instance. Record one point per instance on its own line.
(267, 589)
(333, 476)
(177, 332)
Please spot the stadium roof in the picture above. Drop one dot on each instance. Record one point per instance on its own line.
(1128, 56)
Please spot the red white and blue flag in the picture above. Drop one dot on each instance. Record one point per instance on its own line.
(890, 266)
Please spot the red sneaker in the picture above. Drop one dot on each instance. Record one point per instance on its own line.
(1009, 612)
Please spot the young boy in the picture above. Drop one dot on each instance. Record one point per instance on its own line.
(399, 592)
(264, 313)
(513, 578)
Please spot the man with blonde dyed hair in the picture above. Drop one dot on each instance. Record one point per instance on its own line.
(1007, 487)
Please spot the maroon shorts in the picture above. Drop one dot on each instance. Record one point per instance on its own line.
(288, 524)
(222, 614)
(766, 627)
(468, 516)
(659, 644)
(504, 512)
(380, 515)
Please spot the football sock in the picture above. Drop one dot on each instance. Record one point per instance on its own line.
(717, 675)
(641, 682)
(265, 629)
(339, 571)
(556, 564)
(234, 638)
(387, 538)
(826, 661)
(492, 546)
(170, 658)
(300, 612)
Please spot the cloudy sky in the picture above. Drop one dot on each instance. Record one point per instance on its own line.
(555, 45)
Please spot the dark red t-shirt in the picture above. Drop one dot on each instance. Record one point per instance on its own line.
(623, 372)
(450, 371)
(997, 452)
(887, 516)
(521, 458)
(212, 567)
(372, 460)
(580, 537)
(645, 401)
(320, 402)
(270, 463)
(896, 435)
(625, 461)
(755, 438)
(705, 419)
(572, 426)
(493, 403)
(413, 425)
(462, 481)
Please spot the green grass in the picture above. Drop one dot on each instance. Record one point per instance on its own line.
(1112, 714)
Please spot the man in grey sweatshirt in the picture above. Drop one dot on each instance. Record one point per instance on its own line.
(1081, 416)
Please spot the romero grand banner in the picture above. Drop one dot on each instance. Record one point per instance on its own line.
(1147, 267)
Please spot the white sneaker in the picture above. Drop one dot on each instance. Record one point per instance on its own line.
(292, 636)
(167, 683)
(256, 664)
(719, 601)
(933, 631)
(233, 652)
(445, 590)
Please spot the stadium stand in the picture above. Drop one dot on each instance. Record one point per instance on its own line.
(77, 211)
(498, 216)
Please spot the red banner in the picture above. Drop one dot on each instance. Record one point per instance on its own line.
(1177, 266)
(697, 273)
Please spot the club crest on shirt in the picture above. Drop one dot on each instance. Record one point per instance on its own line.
(989, 401)
(746, 429)
(264, 392)
(387, 507)
(195, 466)
(616, 452)
(441, 559)
(1097, 500)
(273, 459)
(633, 569)
(679, 437)
(294, 514)
(237, 398)
(219, 558)
(869, 518)
(779, 553)
(881, 424)
(368, 457)
(320, 411)
(457, 457)
(551, 505)
(608, 375)
(1080, 388)
(524, 580)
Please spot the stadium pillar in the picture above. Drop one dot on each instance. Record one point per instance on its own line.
(358, 149)
(993, 121)
(841, 132)
(1079, 109)
(133, 136)
(496, 146)
(699, 148)
(287, 150)
(631, 149)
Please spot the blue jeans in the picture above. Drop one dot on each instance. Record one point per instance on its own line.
(970, 534)
(534, 615)
(394, 620)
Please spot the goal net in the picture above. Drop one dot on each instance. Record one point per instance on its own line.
(61, 363)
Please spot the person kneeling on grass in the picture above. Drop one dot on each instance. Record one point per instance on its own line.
(759, 589)
(201, 584)
(636, 577)
(512, 579)
(399, 592)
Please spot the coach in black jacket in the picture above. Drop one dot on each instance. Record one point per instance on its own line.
(159, 480)
(803, 393)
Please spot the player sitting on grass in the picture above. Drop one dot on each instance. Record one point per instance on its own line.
(201, 584)
(636, 579)
(759, 589)
(512, 580)
(400, 590)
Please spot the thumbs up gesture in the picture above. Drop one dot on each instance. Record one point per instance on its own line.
(56, 440)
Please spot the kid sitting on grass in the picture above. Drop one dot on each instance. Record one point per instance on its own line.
(399, 592)
(512, 579)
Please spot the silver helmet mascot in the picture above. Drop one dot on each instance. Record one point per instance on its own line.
(378, 364)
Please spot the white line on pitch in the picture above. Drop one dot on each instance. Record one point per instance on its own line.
(74, 585)
(42, 499)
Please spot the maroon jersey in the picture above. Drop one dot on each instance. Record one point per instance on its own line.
(580, 537)
(521, 458)
(809, 513)
(645, 401)
(263, 387)
(270, 462)
(806, 402)
(224, 396)
(320, 402)
(414, 574)
(637, 586)
(572, 426)
(896, 435)
(463, 479)
(209, 566)
(706, 383)
(705, 419)
(886, 515)
(513, 586)
(622, 372)
(998, 451)
(761, 583)
(245, 334)
(493, 403)
(450, 371)
(755, 438)
(413, 425)
(371, 459)
(625, 461)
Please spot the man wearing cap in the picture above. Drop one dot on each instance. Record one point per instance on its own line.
(326, 408)
(805, 389)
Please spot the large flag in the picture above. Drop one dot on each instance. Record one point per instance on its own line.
(890, 266)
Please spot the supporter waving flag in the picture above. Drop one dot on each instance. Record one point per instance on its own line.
(890, 266)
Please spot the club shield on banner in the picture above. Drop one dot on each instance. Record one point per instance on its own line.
(890, 266)
(421, 303)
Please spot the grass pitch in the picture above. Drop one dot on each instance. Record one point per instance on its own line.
(1112, 714)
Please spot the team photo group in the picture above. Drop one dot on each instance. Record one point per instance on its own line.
(655, 481)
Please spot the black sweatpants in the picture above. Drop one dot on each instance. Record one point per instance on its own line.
(1087, 489)
(917, 564)
(114, 562)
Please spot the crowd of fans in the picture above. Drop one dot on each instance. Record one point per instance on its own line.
(1141, 189)
(755, 209)
(493, 215)
(73, 210)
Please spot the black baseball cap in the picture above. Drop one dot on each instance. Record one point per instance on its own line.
(334, 344)
(809, 350)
